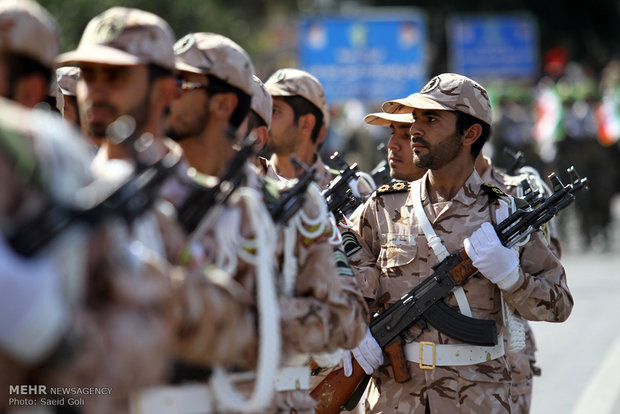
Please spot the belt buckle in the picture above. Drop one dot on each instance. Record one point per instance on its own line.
(421, 363)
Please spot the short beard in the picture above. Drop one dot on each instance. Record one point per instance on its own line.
(190, 128)
(140, 114)
(439, 154)
(286, 146)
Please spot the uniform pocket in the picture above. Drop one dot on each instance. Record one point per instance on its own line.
(397, 251)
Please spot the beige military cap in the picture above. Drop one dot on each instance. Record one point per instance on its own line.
(122, 36)
(262, 103)
(448, 91)
(216, 55)
(296, 82)
(385, 119)
(28, 29)
(67, 78)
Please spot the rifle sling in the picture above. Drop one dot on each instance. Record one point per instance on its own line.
(436, 244)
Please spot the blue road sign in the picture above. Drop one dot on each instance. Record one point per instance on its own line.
(493, 46)
(368, 57)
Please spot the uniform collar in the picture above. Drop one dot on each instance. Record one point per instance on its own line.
(467, 194)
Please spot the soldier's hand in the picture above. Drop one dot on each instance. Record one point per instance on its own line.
(496, 262)
(368, 354)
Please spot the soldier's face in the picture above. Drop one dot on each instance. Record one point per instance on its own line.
(400, 155)
(189, 112)
(434, 138)
(283, 135)
(105, 92)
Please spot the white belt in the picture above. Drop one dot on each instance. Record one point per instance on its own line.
(180, 399)
(197, 398)
(293, 378)
(429, 354)
(287, 378)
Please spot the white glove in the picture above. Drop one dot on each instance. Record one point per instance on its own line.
(33, 313)
(368, 354)
(496, 262)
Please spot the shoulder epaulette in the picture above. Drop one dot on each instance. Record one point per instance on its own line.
(396, 187)
(493, 191)
(496, 193)
(264, 164)
(271, 191)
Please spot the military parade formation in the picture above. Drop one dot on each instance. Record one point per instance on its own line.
(173, 243)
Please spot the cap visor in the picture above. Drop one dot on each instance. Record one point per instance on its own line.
(184, 67)
(415, 101)
(385, 119)
(277, 90)
(98, 54)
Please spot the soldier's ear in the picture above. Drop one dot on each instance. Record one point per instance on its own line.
(322, 136)
(223, 104)
(306, 123)
(472, 134)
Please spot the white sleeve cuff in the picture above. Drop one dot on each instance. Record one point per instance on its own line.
(510, 281)
(40, 331)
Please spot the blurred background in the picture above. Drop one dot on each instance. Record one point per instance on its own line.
(552, 69)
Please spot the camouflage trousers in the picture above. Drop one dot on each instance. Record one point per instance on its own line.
(521, 397)
(442, 390)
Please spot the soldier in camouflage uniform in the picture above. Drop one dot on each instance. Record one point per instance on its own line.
(29, 42)
(452, 117)
(66, 329)
(127, 63)
(344, 302)
(402, 167)
(314, 304)
(216, 90)
(400, 156)
(97, 309)
(299, 124)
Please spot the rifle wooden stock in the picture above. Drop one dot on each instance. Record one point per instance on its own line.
(464, 270)
(336, 389)
(396, 354)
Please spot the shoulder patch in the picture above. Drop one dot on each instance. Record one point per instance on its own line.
(493, 191)
(342, 264)
(496, 193)
(396, 187)
(350, 243)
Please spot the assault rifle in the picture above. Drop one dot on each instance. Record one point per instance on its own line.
(292, 199)
(129, 201)
(381, 173)
(339, 197)
(201, 199)
(425, 303)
